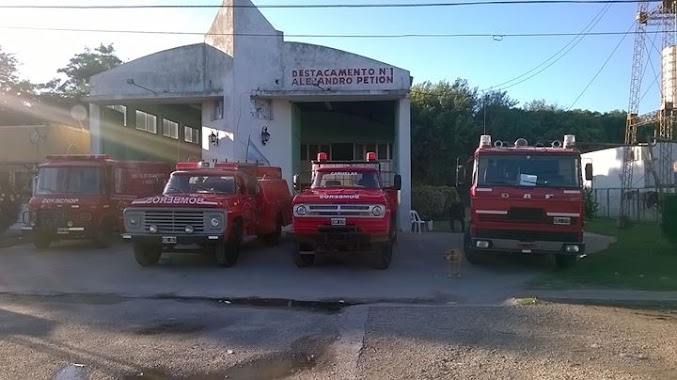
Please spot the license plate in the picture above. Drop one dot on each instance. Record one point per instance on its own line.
(169, 240)
(338, 221)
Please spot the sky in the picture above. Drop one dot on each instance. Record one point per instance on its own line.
(483, 61)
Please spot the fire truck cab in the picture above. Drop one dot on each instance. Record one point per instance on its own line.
(212, 207)
(82, 196)
(527, 199)
(349, 206)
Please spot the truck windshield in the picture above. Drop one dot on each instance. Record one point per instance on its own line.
(529, 170)
(346, 178)
(85, 180)
(192, 183)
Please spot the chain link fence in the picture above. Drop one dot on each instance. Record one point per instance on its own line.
(643, 204)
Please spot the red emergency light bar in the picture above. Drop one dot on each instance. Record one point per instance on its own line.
(192, 165)
(79, 157)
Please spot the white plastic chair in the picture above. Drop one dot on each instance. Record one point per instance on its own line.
(416, 222)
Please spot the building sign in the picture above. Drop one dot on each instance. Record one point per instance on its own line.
(342, 76)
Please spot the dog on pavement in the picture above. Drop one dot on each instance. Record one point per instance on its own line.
(455, 258)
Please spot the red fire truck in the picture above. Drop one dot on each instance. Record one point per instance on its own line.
(212, 207)
(527, 199)
(348, 207)
(82, 196)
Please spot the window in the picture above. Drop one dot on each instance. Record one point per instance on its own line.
(170, 129)
(146, 122)
(123, 109)
(525, 170)
(191, 135)
(218, 110)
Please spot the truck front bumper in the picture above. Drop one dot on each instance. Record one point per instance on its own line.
(340, 239)
(532, 247)
(173, 240)
(65, 232)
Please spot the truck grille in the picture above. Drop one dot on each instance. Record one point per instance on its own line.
(51, 218)
(175, 221)
(340, 210)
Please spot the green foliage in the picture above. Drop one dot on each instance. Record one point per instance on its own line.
(432, 202)
(591, 205)
(80, 69)
(10, 205)
(447, 120)
(669, 219)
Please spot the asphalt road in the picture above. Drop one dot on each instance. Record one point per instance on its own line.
(418, 272)
(113, 338)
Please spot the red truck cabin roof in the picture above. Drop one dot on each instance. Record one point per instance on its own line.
(253, 169)
(521, 146)
(527, 150)
(329, 169)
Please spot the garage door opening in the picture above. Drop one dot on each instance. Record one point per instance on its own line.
(344, 130)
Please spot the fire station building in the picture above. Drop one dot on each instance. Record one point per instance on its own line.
(247, 94)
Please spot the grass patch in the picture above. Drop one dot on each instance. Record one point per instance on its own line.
(529, 301)
(607, 227)
(640, 259)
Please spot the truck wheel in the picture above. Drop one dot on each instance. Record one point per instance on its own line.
(273, 239)
(565, 261)
(41, 241)
(383, 257)
(104, 235)
(473, 257)
(302, 260)
(147, 255)
(228, 253)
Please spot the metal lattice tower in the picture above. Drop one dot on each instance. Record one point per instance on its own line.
(664, 16)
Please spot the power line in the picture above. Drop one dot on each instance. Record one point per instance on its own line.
(406, 35)
(307, 6)
(603, 66)
(575, 41)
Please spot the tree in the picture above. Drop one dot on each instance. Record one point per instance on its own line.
(9, 79)
(81, 68)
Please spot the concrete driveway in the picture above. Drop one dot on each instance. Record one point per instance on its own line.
(418, 272)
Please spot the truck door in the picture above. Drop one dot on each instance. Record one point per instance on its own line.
(248, 193)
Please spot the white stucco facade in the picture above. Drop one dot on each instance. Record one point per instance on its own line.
(245, 78)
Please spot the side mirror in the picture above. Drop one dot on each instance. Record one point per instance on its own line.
(397, 182)
(297, 182)
(588, 172)
(460, 175)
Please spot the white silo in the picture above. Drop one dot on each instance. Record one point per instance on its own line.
(669, 76)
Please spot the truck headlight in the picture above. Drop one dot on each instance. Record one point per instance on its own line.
(377, 210)
(300, 210)
(133, 220)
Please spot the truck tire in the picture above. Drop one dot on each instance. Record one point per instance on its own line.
(565, 261)
(473, 256)
(103, 236)
(273, 239)
(147, 255)
(383, 257)
(41, 241)
(301, 260)
(227, 254)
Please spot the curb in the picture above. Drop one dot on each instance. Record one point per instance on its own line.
(631, 303)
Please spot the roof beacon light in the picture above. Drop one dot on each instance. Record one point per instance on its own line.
(569, 141)
(485, 141)
(186, 165)
(499, 144)
(371, 156)
(203, 164)
(556, 144)
(322, 156)
(521, 142)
